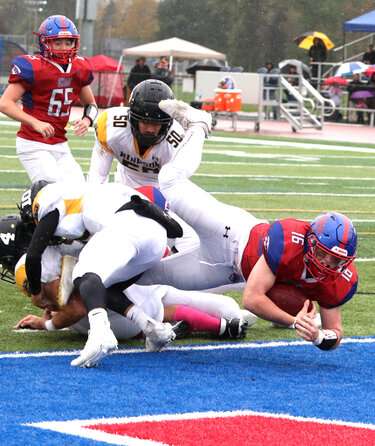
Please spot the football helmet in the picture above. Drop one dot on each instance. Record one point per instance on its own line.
(27, 199)
(58, 27)
(15, 237)
(154, 195)
(331, 245)
(144, 106)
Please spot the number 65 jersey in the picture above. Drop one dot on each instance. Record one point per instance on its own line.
(114, 139)
(50, 92)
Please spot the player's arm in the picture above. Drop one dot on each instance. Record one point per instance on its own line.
(330, 335)
(42, 235)
(66, 316)
(8, 105)
(260, 281)
(90, 111)
(100, 164)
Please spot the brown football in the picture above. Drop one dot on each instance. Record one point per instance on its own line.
(287, 297)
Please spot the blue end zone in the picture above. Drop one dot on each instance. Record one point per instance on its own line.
(297, 379)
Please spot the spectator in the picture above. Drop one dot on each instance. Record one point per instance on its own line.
(162, 71)
(140, 72)
(227, 83)
(270, 84)
(293, 78)
(371, 88)
(369, 56)
(317, 53)
(359, 101)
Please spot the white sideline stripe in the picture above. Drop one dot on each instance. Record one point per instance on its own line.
(303, 145)
(282, 164)
(239, 175)
(313, 194)
(184, 348)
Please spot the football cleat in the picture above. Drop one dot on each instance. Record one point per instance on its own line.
(100, 342)
(158, 335)
(186, 115)
(182, 329)
(248, 317)
(235, 329)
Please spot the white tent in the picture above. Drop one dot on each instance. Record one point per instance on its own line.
(173, 47)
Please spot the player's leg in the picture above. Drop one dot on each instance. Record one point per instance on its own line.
(187, 271)
(39, 164)
(69, 169)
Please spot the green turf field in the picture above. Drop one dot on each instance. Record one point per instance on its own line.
(267, 177)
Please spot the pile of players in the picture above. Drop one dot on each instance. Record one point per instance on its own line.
(140, 254)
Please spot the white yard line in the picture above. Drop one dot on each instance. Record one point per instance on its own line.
(184, 348)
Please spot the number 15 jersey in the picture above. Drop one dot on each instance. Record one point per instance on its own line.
(114, 139)
(50, 92)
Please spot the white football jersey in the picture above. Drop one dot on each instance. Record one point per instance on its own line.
(114, 139)
(82, 207)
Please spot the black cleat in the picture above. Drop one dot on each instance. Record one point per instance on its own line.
(181, 329)
(235, 329)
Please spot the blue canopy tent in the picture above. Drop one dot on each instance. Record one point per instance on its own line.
(364, 23)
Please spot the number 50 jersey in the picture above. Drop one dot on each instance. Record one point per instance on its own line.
(114, 139)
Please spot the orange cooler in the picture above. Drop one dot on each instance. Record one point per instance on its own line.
(228, 100)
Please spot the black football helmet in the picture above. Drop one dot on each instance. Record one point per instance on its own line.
(15, 237)
(27, 199)
(144, 106)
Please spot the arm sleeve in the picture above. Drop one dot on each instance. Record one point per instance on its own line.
(100, 165)
(42, 235)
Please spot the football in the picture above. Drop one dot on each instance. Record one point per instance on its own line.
(287, 297)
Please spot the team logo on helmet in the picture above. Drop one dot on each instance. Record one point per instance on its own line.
(58, 27)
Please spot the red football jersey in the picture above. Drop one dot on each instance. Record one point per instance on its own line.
(50, 92)
(284, 246)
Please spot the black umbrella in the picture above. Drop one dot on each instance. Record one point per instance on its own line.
(204, 65)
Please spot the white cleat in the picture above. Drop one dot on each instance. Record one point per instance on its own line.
(100, 342)
(98, 346)
(186, 115)
(249, 317)
(158, 335)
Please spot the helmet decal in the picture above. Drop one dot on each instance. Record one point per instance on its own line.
(15, 237)
(58, 27)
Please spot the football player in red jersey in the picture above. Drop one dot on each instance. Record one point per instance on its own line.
(315, 257)
(48, 84)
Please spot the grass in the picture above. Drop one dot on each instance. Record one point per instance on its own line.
(269, 181)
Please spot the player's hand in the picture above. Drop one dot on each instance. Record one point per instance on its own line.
(44, 128)
(32, 322)
(81, 126)
(305, 323)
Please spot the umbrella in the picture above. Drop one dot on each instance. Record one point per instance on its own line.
(204, 65)
(335, 80)
(301, 68)
(369, 71)
(362, 94)
(306, 40)
(347, 69)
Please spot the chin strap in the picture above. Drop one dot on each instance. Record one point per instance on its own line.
(91, 112)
